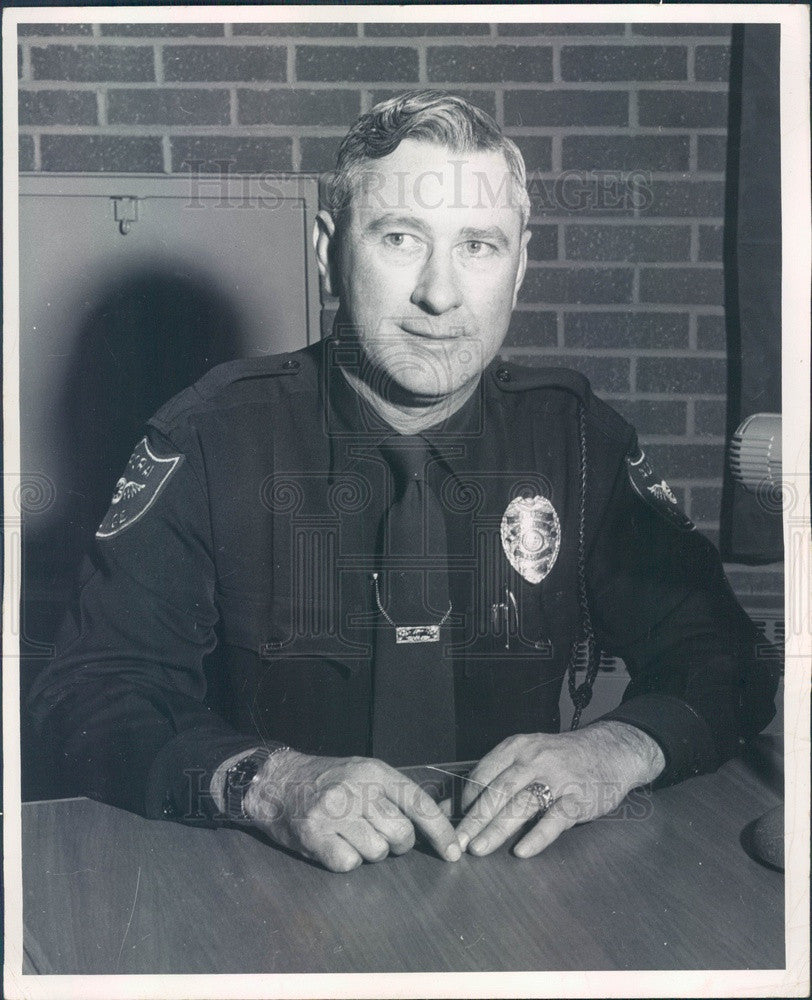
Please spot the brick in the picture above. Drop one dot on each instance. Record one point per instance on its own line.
(686, 461)
(485, 100)
(596, 63)
(57, 107)
(537, 151)
(532, 329)
(627, 243)
(566, 107)
(710, 417)
(711, 240)
(26, 153)
(356, 63)
(710, 332)
(606, 374)
(577, 285)
(102, 153)
(54, 30)
(686, 375)
(93, 63)
(625, 152)
(298, 107)
(499, 63)
(666, 30)
(712, 152)
(393, 30)
(588, 194)
(625, 330)
(168, 107)
(706, 503)
(543, 30)
(543, 244)
(303, 29)
(684, 285)
(695, 199)
(755, 581)
(165, 30)
(683, 108)
(652, 416)
(319, 155)
(211, 63)
(712, 62)
(242, 155)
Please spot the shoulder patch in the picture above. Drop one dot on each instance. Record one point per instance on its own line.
(137, 490)
(654, 492)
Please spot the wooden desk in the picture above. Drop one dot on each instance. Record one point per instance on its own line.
(667, 885)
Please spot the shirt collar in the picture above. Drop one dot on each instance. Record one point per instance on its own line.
(354, 428)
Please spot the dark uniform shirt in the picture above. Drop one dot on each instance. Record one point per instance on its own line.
(228, 601)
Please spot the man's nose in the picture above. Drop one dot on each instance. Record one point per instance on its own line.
(437, 290)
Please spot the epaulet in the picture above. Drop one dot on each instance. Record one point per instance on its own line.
(510, 377)
(223, 375)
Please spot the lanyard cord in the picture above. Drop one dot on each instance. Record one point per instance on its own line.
(585, 652)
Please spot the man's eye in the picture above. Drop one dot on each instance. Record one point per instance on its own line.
(400, 241)
(476, 248)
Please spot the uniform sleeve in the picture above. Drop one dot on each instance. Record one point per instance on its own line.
(702, 677)
(122, 703)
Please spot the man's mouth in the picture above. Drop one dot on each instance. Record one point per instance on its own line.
(426, 333)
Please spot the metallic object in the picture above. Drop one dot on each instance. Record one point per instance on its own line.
(531, 536)
(755, 451)
(543, 794)
(411, 633)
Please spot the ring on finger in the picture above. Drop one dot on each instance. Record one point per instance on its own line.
(543, 795)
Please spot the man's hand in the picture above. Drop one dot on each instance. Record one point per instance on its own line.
(589, 773)
(342, 811)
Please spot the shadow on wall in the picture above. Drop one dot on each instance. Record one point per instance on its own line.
(146, 337)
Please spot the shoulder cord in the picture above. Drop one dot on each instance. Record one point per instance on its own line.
(585, 652)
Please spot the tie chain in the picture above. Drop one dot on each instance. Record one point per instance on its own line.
(383, 611)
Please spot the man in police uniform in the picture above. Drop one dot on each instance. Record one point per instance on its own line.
(390, 549)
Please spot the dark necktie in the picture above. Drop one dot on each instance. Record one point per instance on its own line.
(413, 683)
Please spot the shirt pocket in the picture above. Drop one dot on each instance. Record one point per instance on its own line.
(282, 630)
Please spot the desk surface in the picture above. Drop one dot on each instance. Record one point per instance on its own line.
(665, 884)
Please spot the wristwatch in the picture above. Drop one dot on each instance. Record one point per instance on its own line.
(239, 778)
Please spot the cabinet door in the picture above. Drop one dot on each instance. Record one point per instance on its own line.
(131, 288)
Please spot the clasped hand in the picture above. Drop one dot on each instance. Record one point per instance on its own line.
(344, 811)
(588, 772)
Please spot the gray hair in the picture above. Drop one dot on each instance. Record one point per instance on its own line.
(430, 116)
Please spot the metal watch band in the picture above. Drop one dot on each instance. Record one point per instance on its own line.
(239, 778)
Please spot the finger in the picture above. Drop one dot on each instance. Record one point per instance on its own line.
(521, 808)
(392, 825)
(336, 854)
(483, 774)
(423, 811)
(561, 815)
(366, 840)
(490, 803)
(446, 807)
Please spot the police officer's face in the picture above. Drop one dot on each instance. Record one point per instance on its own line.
(429, 263)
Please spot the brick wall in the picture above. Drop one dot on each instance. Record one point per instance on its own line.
(623, 128)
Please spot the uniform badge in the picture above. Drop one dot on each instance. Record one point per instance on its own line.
(655, 492)
(137, 490)
(531, 536)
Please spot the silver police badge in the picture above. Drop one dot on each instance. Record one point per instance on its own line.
(531, 536)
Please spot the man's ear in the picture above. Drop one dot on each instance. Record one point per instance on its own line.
(525, 238)
(324, 231)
